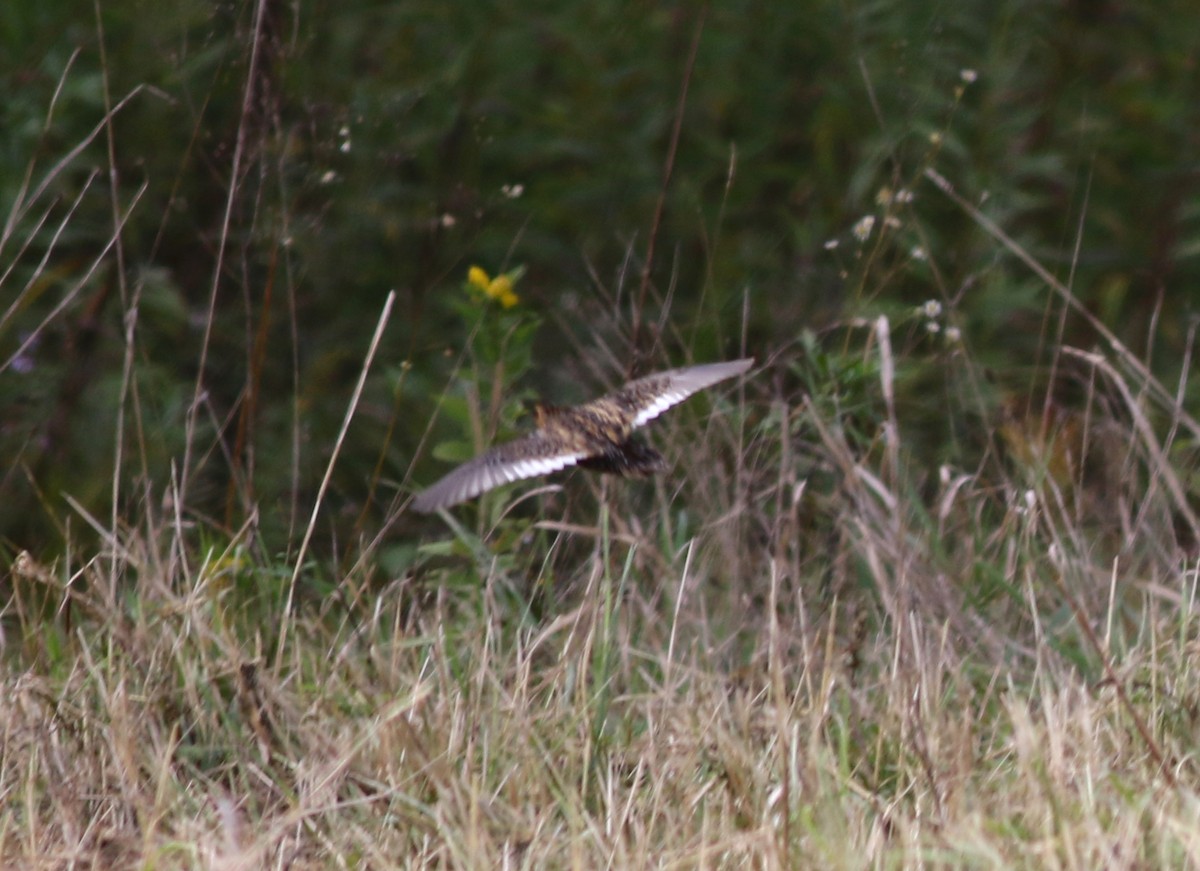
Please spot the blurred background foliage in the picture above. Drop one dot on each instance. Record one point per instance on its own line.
(279, 167)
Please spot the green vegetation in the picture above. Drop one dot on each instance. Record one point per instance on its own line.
(919, 591)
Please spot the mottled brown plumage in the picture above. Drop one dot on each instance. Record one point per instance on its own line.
(597, 436)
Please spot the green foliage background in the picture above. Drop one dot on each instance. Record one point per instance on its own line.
(378, 147)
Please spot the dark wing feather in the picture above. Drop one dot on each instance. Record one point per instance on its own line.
(535, 454)
(649, 397)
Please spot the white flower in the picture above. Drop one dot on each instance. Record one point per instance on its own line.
(512, 191)
(862, 230)
(831, 244)
(953, 335)
(932, 308)
(918, 253)
(968, 75)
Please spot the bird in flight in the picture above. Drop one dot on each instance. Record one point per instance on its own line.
(598, 435)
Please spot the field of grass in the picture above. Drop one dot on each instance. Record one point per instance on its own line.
(917, 591)
(988, 668)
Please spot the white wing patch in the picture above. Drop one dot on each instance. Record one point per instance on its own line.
(487, 471)
(678, 384)
(661, 404)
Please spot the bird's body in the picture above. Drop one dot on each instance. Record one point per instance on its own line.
(598, 435)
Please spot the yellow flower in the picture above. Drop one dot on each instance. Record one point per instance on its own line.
(477, 277)
(499, 288)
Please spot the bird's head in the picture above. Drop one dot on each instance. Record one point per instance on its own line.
(542, 412)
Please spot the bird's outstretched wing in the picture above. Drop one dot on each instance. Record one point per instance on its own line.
(534, 454)
(595, 434)
(648, 397)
